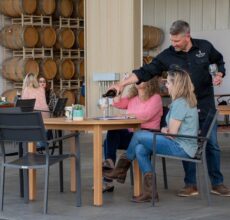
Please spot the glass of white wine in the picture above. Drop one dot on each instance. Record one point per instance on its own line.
(103, 104)
(213, 69)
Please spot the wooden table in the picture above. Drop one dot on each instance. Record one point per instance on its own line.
(97, 126)
(223, 109)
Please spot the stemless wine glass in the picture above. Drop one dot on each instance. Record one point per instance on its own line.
(103, 104)
(213, 69)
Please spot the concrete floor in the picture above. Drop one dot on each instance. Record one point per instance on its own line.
(117, 205)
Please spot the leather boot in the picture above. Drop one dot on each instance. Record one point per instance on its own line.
(120, 171)
(146, 196)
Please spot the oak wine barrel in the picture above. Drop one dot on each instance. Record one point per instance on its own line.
(47, 37)
(65, 69)
(14, 8)
(16, 68)
(64, 8)
(70, 94)
(17, 36)
(147, 59)
(65, 38)
(80, 39)
(45, 7)
(152, 37)
(48, 68)
(79, 8)
(79, 69)
(10, 94)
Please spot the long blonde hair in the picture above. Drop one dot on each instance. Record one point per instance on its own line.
(182, 86)
(30, 81)
(151, 88)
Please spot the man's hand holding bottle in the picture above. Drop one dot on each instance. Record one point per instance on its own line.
(117, 88)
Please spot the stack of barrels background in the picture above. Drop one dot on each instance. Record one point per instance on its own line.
(16, 37)
(152, 38)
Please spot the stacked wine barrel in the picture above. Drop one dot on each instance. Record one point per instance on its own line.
(152, 37)
(17, 37)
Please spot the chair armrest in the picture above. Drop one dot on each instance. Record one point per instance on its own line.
(182, 135)
(38, 110)
(63, 137)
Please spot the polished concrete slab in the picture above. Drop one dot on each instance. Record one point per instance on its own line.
(117, 205)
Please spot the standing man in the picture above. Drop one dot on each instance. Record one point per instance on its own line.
(195, 56)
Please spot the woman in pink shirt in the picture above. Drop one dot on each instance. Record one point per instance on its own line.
(144, 102)
(32, 90)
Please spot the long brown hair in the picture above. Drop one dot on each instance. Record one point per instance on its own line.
(152, 87)
(182, 86)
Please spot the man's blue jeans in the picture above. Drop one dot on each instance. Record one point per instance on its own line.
(213, 162)
(141, 147)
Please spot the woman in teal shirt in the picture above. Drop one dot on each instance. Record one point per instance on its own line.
(182, 118)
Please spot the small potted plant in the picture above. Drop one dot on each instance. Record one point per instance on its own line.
(78, 112)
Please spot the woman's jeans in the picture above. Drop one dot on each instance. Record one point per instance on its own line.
(141, 148)
(116, 139)
(213, 162)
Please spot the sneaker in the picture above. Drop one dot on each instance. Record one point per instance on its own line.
(107, 165)
(188, 191)
(220, 190)
(107, 187)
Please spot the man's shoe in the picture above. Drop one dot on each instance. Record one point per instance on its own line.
(220, 190)
(188, 191)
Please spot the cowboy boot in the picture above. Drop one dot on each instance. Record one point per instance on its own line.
(146, 196)
(120, 171)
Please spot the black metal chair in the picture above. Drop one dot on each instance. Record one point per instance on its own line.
(59, 107)
(200, 157)
(26, 105)
(29, 127)
(58, 111)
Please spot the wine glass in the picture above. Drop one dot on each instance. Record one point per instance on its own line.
(213, 69)
(103, 104)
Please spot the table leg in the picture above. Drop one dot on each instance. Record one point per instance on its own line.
(97, 165)
(137, 179)
(72, 166)
(32, 175)
(137, 175)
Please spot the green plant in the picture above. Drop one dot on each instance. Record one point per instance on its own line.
(78, 107)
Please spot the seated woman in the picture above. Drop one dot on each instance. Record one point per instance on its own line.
(144, 102)
(32, 90)
(182, 118)
(49, 93)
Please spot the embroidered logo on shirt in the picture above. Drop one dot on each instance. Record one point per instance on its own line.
(200, 54)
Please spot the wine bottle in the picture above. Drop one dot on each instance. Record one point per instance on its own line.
(111, 93)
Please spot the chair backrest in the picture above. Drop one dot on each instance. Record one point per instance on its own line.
(21, 126)
(26, 105)
(163, 117)
(59, 107)
(206, 131)
(208, 123)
